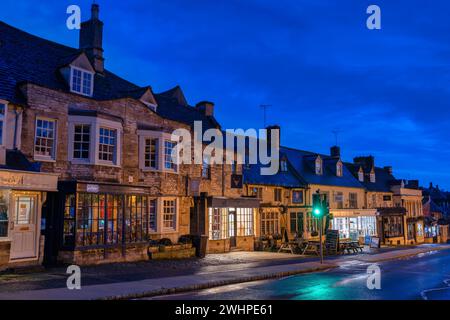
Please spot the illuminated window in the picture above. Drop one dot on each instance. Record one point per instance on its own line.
(318, 166)
(372, 177)
(218, 223)
(4, 206)
(277, 194)
(269, 223)
(244, 222)
(339, 169)
(361, 175)
(45, 137)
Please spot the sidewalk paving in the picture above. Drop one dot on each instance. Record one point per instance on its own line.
(252, 266)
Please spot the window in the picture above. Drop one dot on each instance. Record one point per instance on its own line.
(218, 223)
(393, 226)
(81, 82)
(69, 221)
(361, 176)
(269, 223)
(372, 177)
(151, 153)
(297, 196)
(136, 218)
(283, 165)
(2, 121)
(152, 215)
(256, 192)
(339, 169)
(353, 200)
(244, 222)
(206, 168)
(277, 194)
(4, 219)
(318, 166)
(296, 223)
(312, 223)
(169, 164)
(81, 141)
(169, 214)
(44, 145)
(387, 198)
(107, 144)
(339, 199)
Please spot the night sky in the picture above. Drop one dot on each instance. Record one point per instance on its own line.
(386, 91)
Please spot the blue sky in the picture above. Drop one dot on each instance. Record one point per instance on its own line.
(387, 91)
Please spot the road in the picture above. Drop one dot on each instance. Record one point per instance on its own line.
(426, 276)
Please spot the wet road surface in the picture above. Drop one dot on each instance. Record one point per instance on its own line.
(426, 276)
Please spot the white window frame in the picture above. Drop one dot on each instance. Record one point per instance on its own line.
(95, 124)
(361, 176)
(161, 137)
(339, 169)
(4, 120)
(160, 215)
(157, 217)
(83, 71)
(43, 158)
(90, 142)
(318, 166)
(114, 146)
(372, 177)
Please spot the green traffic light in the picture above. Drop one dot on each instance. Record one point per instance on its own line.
(317, 212)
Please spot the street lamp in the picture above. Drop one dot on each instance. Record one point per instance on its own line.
(319, 210)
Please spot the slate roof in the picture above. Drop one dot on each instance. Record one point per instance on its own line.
(301, 172)
(25, 58)
(383, 179)
(16, 160)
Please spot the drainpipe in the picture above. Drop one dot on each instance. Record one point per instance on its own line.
(16, 121)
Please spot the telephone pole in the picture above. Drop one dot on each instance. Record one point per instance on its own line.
(264, 107)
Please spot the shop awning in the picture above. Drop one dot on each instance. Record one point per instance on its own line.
(222, 202)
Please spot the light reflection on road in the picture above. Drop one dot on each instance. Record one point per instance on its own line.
(423, 276)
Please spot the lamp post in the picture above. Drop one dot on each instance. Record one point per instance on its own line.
(318, 211)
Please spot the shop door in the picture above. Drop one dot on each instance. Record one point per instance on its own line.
(24, 227)
(232, 228)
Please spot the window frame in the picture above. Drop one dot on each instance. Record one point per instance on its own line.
(114, 146)
(303, 196)
(339, 169)
(318, 166)
(82, 142)
(44, 158)
(277, 195)
(161, 138)
(83, 71)
(175, 214)
(206, 168)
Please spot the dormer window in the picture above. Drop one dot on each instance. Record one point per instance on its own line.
(319, 166)
(361, 176)
(372, 177)
(283, 165)
(81, 81)
(339, 169)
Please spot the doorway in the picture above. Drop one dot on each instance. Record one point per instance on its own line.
(24, 237)
(232, 228)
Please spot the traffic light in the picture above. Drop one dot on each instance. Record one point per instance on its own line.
(317, 208)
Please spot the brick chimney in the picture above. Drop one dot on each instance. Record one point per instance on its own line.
(206, 107)
(388, 169)
(269, 134)
(335, 152)
(2, 155)
(366, 162)
(91, 39)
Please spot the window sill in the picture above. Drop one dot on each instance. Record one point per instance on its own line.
(5, 239)
(169, 230)
(106, 164)
(79, 161)
(43, 159)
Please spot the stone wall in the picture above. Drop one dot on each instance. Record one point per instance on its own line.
(5, 247)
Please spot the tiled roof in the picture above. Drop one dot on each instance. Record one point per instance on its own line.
(25, 58)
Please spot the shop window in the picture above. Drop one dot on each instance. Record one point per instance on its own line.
(297, 196)
(152, 215)
(151, 153)
(269, 223)
(114, 209)
(170, 214)
(107, 145)
(353, 200)
(45, 138)
(311, 223)
(296, 223)
(69, 221)
(81, 82)
(218, 223)
(136, 218)
(81, 141)
(393, 226)
(92, 219)
(169, 163)
(2, 121)
(277, 194)
(4, 218)
(244, 222)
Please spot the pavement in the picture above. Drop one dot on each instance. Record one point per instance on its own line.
(215, 270)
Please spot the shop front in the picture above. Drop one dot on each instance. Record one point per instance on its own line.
(22, 195)
(231, 224)
(391, 222)
(99, 222)
(415, 230)
(355, 225)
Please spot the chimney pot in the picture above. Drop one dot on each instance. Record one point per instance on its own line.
(388, 169)
(95, 11)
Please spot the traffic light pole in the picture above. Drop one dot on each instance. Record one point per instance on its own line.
(320, 239)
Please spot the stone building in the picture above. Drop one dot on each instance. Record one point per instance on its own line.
(108, 142)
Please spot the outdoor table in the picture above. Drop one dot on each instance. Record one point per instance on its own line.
(312, 246)
(350, 246)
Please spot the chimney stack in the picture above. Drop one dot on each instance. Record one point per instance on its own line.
(335, 152)
(91, 39)
(206, 107)
(366, 162)
(388, 169)
(269, 134)
(2, 155)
